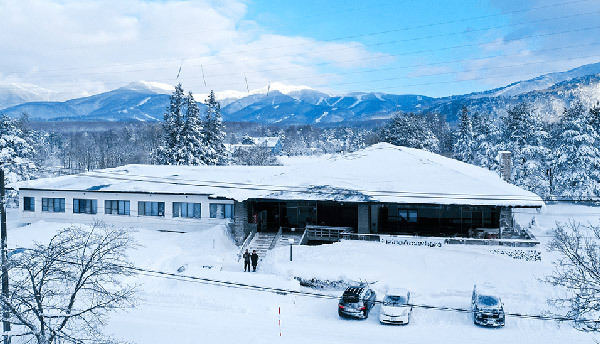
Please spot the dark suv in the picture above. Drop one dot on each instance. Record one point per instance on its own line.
(487, 307)
(356, 302)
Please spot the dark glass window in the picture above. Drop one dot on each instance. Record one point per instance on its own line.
(221, 211)
(29, 203)
(85, 206)
(116, 207)
(407, 215)
(151, 208)
(53, 205)
(183, 209)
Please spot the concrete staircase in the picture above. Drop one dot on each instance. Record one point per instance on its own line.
(261, 243)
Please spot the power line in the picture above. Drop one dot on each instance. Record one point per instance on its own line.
(400, 86)
(415, 52)
(354, 36)
(190, 33)
(407, 77)
(405, 66)
(399, 54)
(269, 48)
(285, 292)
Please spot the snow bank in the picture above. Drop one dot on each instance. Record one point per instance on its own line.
(177, 311)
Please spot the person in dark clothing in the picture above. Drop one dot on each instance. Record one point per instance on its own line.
(254, 258)
(247, 261)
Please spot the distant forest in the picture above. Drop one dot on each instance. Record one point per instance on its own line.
(556, 160)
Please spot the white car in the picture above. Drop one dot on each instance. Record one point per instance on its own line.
(395, 308)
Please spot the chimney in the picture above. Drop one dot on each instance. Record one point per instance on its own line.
(505, 166)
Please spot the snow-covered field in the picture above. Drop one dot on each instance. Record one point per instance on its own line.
(178, 311)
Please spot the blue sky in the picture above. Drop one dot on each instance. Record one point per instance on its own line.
(419, 31)
(429, 47)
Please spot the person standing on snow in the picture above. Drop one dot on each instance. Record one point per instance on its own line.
(254, 257)
(247, 261)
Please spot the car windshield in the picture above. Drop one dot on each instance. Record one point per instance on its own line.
(394, 300)
(487, 301)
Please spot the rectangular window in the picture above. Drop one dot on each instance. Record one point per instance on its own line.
(151, 208)
(407, 215)
(221, 211)
(116, 207)
(85, 206)
(28, 203)
(53, 205)
(182, 209)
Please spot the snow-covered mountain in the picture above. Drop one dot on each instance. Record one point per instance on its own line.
(541, 82)
(285, 104)
(19, 93)
(277, 103)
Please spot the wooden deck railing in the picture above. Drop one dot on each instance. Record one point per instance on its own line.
(327, 233)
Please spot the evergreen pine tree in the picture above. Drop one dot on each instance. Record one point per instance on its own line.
(16, 151)
(171, 152)
(525, 136)
(577, 172)
(192, 134)
(464, 145)
(410, 130)
(214, 133)
(486, 136)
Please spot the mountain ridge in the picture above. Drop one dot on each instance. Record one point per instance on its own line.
(296, 104)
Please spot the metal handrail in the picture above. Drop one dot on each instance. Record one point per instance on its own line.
(246, 243)
(276, 238)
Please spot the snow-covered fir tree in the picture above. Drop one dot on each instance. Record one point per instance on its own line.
(247, 140)
(192, 136)
(525, 136)
(214, 133)
(486, 135)
(441, 129)
(16, 151)
(410, 130)
(577, 172)
(171, 152)
(464, 144)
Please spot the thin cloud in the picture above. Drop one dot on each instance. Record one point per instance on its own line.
(51, 44)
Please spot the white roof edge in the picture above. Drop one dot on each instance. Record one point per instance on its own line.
(381, 173)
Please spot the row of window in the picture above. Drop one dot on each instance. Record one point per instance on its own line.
(118, 207)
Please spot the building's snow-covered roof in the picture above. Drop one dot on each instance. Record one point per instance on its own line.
(269, 141)
(380, 173)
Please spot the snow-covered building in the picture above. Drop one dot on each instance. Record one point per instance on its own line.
(380, 189)
(271, 143)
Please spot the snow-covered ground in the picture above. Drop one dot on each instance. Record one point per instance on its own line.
(177, 311)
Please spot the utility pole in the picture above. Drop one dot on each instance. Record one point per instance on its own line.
(5, 315)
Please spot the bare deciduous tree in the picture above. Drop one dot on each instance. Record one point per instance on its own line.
(61, 292)
(578, 272)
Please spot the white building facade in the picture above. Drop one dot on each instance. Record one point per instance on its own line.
(161, 211)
